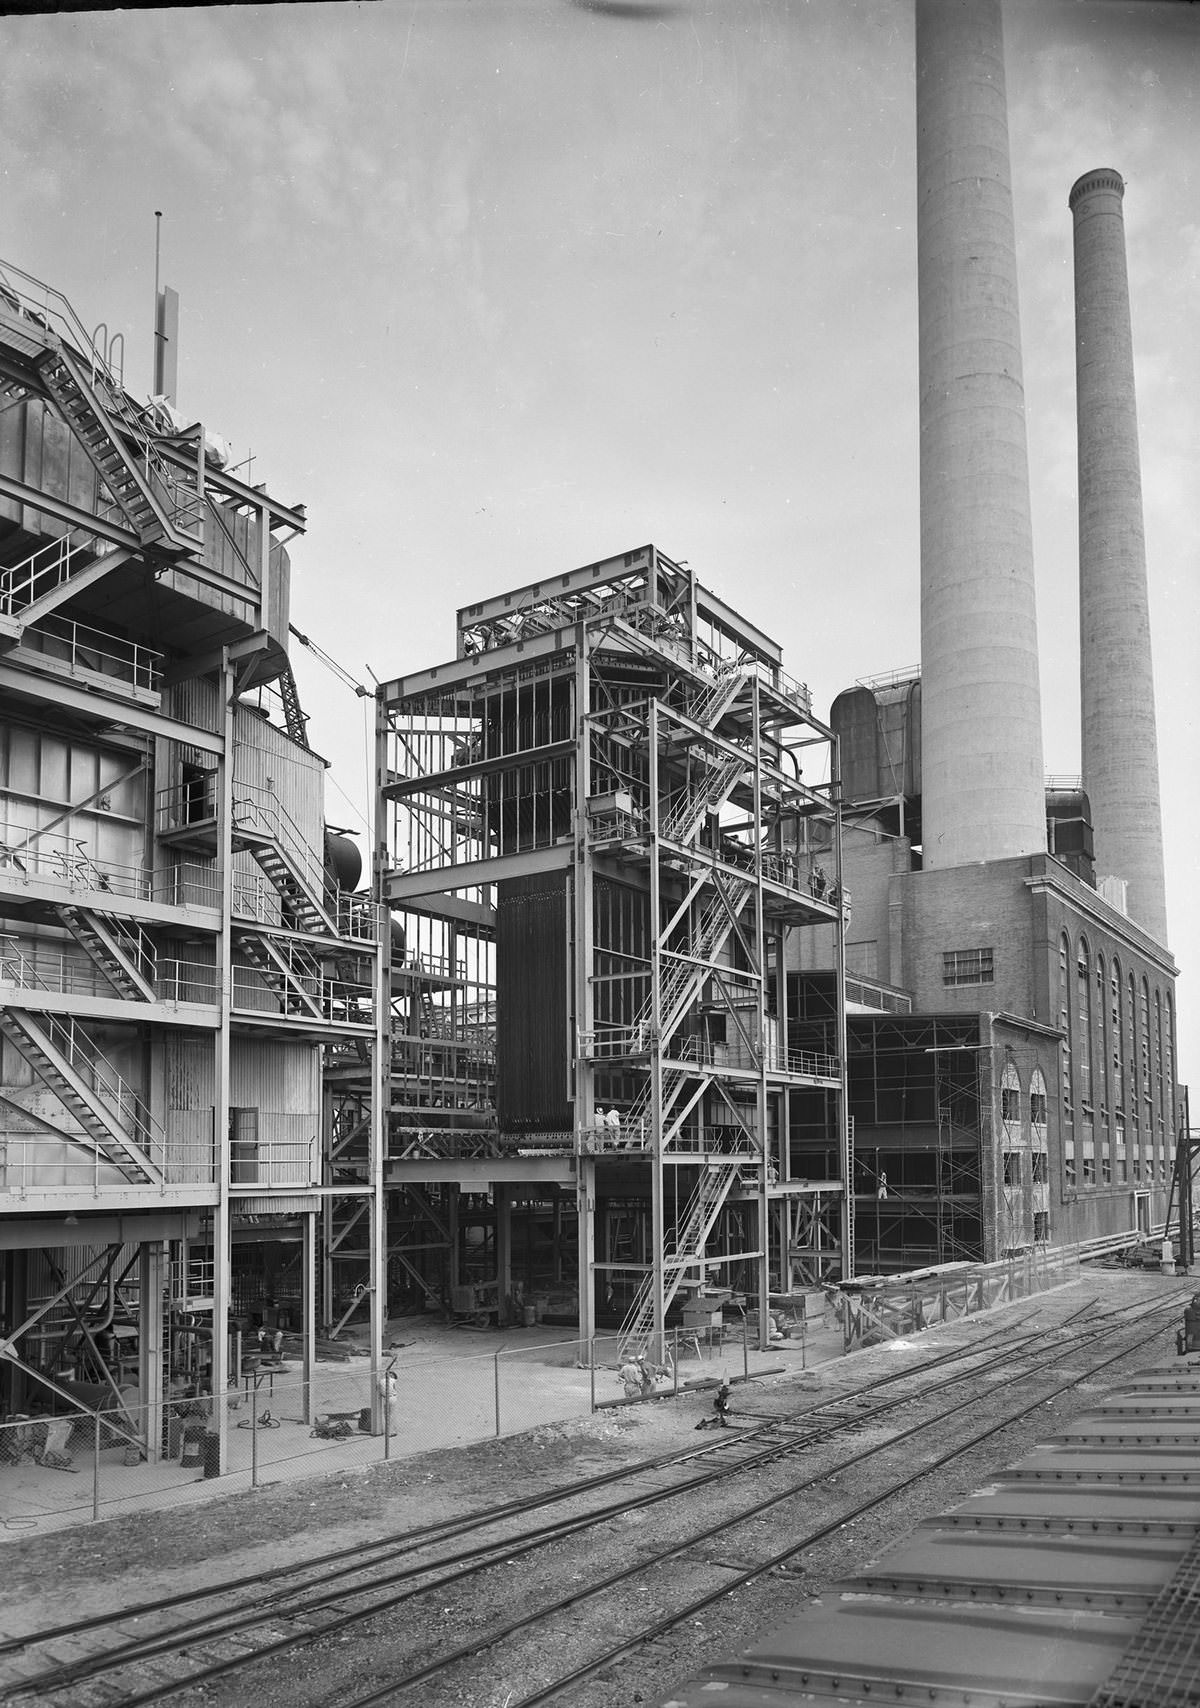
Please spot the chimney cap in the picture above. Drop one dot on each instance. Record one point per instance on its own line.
(1100, 178)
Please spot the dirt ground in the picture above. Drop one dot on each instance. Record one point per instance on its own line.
(127, 1560)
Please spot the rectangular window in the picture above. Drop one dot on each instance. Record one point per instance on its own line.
(1106, 1171)
(1041, 1168)
(1069, 1167)
(1012, 1168)
(1089, 1171)
(1010, 1103)
(1037, 1108)
(967, 966)
(1041, 1226)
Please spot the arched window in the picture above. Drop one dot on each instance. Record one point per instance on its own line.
(1169, 1046)
(1014, 1168)
(1010, 1099)
(1102, 1070)
(1147, 1098)
(1116, 1018)
(1039, 1159)
(1083, 1064)
(1067, 1090)
(1160, 1101)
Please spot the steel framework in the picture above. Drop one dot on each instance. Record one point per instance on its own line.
(600, 846)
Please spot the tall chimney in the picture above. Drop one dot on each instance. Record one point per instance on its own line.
(1120, 742)
(983, 787)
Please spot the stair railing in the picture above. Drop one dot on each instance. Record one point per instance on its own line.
(121, 1099)
(50, 309)
(49, 567)
(258, 807)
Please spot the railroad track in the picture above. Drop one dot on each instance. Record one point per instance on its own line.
(161, 1649)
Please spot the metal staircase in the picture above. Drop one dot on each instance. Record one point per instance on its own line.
(265, 828)
(111, 1114)
(710, 705)
(122, 951)
(292, 975)
(157, 504)
(688, 812)
(699, 1218)
(686, 972)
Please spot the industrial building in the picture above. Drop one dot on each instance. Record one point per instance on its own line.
(1025, 1090)
(181, 936)
(661, 994)
(607, 824)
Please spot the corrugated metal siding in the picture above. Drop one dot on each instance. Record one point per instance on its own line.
(281, 1082)
(534, 1065)
(196, 701)
(266, 759)
(77, 792)
(37, 448)
(189, 1066)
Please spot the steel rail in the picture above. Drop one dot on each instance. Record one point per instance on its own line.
(468, 1563)
(515, 1547)
(365, 1555)
(780, 1559)
(721, 1528)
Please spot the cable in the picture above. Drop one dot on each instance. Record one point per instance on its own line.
(331, 664)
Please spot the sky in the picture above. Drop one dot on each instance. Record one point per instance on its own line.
(500, 287)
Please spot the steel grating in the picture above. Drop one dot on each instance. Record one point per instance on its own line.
(1161, 1665)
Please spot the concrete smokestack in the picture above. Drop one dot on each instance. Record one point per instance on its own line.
(983, 788)
(1120, 742)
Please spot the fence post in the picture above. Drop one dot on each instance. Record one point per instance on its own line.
(387, 1426)
(497, 1364)
(96, 1468)
(675, 1363)
(746, 1344)
(254, 1438)
(592, 1367)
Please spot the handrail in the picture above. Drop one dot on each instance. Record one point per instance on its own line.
(69, 1036)
(144, 663)
(51, 309)
(278, 824)
(49, 856)
(50, 563)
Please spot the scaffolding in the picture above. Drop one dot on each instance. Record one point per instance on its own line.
(599, 845)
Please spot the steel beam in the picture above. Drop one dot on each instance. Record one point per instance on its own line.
(471, 672)
(474, 874)
(640, 560)
(54, 691)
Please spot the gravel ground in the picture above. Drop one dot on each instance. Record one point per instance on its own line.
(126, 1561)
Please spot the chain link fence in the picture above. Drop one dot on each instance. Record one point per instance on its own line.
(74, 1466)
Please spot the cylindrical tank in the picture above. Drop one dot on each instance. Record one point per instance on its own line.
(1119, 735)
(344, 860)
(879, 732)
(981, 723)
